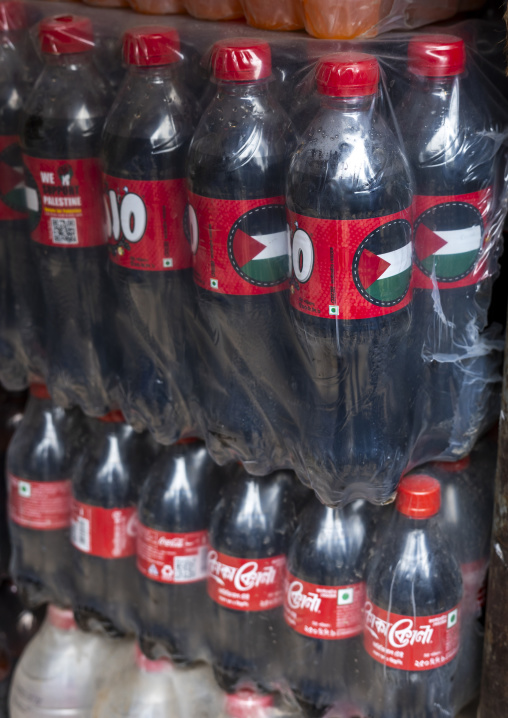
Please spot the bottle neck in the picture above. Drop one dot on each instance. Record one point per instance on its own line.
(154, 73)
(434, 84)
(71, 61)
(348, 104)
(243, 89)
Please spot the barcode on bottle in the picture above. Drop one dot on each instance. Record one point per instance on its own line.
(80, 534)
(64, 231)
(186, 568)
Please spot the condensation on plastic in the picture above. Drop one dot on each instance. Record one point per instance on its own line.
(242, 375)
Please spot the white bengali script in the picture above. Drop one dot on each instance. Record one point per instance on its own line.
(245, 577)
(400, 634)
(297, 599)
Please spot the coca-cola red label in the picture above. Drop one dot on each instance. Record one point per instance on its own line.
(411, 643)
(325, 612)
(450, 239)
(170, 557)
(474, 584)
(64, 201)
(246, 584)
(240, 246)
(108, 533)
(12, 180)
(350, 269)
(41, 505)
(145, 222)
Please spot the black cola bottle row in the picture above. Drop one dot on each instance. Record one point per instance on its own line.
(311, 300)
(254, 574)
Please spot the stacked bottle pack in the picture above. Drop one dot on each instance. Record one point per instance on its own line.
(375, 611)
(290, 257)
(332, 19)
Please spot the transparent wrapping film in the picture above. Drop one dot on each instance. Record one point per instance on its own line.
(246, 595)
(283, 246)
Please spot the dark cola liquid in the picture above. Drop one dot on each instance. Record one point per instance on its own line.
(412, 574)
(329, 548)
(349, 167)
(20, 293)
(43, 449)
(176, 498)
(108, 475)
(155, 309)
(450, 154)
(77, 295)
(254, 519)
(245, 350)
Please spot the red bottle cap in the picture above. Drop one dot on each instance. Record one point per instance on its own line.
(12, 16)
(149, 666)
(241, 60)
(453, 467)
(347, 74)
(40, 391)
(113, 416)
(419, 496)
(65, 34)
(246, 703)
(437, 55)
(151, 45)
(61, 618)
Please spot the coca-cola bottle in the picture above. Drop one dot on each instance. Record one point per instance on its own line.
(20, 292)
(145, 143)
(105, 487)
(412, 613)
(453, 158)
(247, 703)
(349, 210)
(237, 226)
(323, 604)
(467, 489)
(12, 406)
(40, 460)
(60, 132)
(249, 534)
(172, 547)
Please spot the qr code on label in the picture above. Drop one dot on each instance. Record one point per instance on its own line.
(185, 568)
(80, 534)
(64, 231)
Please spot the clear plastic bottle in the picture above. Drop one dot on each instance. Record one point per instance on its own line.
(61, 670)
(267, 15)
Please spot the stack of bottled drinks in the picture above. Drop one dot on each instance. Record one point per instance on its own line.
(247, 281)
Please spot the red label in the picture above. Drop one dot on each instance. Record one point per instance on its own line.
(172, 558)
(42, 505)
(108, 533)
(327, 612)
(240, 246)
(65, 203)
(451, 236)
(350, 269)
(12, 180)
(246, 584)
(411, 643)
(474, 582)
(145, 223)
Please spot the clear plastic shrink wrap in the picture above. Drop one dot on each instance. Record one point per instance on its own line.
(315, 298)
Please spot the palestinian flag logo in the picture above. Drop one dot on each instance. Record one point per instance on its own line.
(258, 246)
(448, 239)
(33, 201)
(12, 179)
(382, 264)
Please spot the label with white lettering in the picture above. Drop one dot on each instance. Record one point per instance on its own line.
(326, 612)
(170, 557)
(41, 505)
(108, 533)
(65, 202)
(246, 584)
(411, 643)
